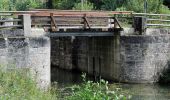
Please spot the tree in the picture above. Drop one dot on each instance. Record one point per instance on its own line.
(20, 4)
(111, 4)
(27, 4)
(4, 5)
(64, 4)
(153, 6)
(97, 4)
(86, 6)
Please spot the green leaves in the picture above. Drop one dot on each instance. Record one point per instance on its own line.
(17, 85)
(90, 90)
(4, 5)
(64, 4)
(153, 6)
(86, 6)
(27, 4)
(8, 5)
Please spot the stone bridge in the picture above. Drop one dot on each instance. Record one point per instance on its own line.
(101, 47)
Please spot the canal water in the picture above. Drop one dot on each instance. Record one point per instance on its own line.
(138, 91)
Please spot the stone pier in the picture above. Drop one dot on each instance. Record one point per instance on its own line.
(27, 52)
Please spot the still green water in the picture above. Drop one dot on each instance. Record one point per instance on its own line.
(138, 91)
(148, 91)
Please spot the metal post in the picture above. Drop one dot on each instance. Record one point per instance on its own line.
(100, 68)
(81, 4)
(94, 69)
(145, 6)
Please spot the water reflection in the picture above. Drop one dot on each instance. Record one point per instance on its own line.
(64, 77)
(139, 91)
(148, 91)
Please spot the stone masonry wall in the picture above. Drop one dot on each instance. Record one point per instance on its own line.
(39, 60)
(32, 53)
(144, 57)
(126, 58)
(61, 52)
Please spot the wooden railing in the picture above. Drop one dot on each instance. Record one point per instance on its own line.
(155, 20)
(57, 20)
(8, 20)
(63, 20)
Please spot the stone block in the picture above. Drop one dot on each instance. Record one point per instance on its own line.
(11, 33)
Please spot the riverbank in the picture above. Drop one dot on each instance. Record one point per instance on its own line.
(155, 91)
(18, 85)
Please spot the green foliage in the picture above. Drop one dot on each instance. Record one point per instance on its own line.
(27, 4)
(4, 5)
(164, 9)
(16, 85)
(64, 4)
(20, 4)
(153, 6)
(72, 4)
(111, 4)
(95, 91)
(86, 6)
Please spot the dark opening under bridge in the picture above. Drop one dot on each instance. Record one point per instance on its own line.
(102, 45)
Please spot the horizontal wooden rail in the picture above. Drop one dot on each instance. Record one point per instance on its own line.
(5, 14)
(11, 26)
(162, 20)
(11, 20)
(166, 25)
(68, 13)
(146, 14)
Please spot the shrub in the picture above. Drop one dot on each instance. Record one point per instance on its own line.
(153, 6)
(95, 91)
(20, 4)
(86, 6)
(64, 4)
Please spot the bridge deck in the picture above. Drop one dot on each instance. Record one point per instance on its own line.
(81, 32)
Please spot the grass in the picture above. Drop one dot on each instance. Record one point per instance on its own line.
(17, 85)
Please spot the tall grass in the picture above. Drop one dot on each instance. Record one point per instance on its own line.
(17, 85)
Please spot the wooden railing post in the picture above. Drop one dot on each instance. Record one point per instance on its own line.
(53, 22)
(86, 22)
(26, 22)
